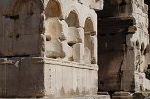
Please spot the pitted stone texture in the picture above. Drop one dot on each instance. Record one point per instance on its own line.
(94, 49)
(87, 55)
(72, 80)
(54, 28)
(122, 95)
(16, 79)
(68, 51)
(38, 77)
(31, 78)
(15, 7)
(54, 49)
(84, 97)
(10, 77)
(93, 4)
(140, 95)
(73, 35)
(78, 52)
(28, 45)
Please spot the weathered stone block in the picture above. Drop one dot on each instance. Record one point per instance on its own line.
(75, 81)
(67, 80)
(9, 82)
(93, 4)
(3, 77)
(54, 49)
(122, 95)
(28, 24)
(128, 80)
(55, 28)
(8, 27)
(7, 46)
(81, 34)
(78, 52)
(27, 45)
(64, 32)
(59, 80)
(139, 95)
(31, 78)
(94, 49)
(87, 55)
(101, 96)
(67, 51)
(7, 7)
(98, 5)
(12, 76)
(73, 35)
(50, 79)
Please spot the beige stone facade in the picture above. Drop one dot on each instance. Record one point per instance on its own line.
(48, 48)
(71, 49)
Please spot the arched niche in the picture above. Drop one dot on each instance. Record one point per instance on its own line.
(53, 9)
(73, 33)
(53, 13)
(89, 41)
(53, 30)
(72, 19)
(73, 38)
(88, 27)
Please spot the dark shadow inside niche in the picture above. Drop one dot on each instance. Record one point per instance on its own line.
(73, 20)
(123, 3)
(53, 9)
(122, 6)
(142, 48)
(88, 45)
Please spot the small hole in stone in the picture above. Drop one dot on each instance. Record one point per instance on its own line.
(48, 38)
(137, 43)
(13, 17)
(17, 36)
(71, 44)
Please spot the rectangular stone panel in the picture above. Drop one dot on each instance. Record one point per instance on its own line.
(59, 80)
(27, 45)
(7, 46)
(8, 26)
(12, 76)
(127, 80)
(50, 79)
(31, 77)
(75, 81)
(9, 80)
(67, 81)
(3, 77)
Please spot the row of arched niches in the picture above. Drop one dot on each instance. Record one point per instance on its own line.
(59, 29)
(66, 39)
